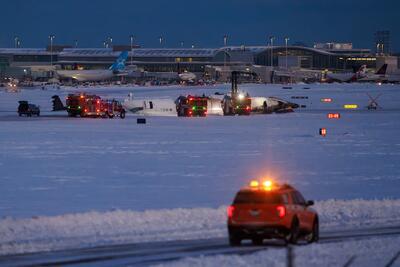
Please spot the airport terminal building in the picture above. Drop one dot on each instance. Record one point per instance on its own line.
(333, 57)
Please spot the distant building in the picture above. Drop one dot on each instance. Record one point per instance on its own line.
(332, 56)
(382, 43)
(333, 46)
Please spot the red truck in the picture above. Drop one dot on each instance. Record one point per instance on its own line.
(192, 106)
(86, 105)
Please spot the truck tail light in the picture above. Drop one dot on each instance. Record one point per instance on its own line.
(281, 210)
(230, 211)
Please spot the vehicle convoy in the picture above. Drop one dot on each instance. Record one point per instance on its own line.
(265, 210)
(192, 106)
(84, 105)
(27, 109)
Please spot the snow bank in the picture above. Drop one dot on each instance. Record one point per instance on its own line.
(367, 253)
(118, 227)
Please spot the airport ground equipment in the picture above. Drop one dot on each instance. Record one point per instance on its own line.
(373, 104)
(237, 103)
(27, 109)
(85, 105)
(192, 106)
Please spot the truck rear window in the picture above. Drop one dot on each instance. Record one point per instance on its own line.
(257, 197)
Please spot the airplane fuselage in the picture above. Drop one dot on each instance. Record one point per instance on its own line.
(86, 75)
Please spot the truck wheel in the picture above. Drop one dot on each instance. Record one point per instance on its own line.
(293, 235)
(38, 114)
(20, 114)
(234, 241)
(257, 241)
(313, 236)
(122, 114)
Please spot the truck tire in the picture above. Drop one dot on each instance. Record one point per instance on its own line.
(122, 114)
(234, 241)
(313, 236)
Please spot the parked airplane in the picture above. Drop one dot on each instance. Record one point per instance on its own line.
(187, 76)
(116, 69)
(379, 76)
(348, 76)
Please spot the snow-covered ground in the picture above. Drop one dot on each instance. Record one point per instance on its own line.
(362, 253)
(124, 226)
(68, 181)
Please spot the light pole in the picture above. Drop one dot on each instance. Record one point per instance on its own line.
(16, 41)
(272, 38)
(182, 44)
(51, 37)
(76, 43)
(225, 44)
(131, 37)
(286, 46)
(161, 39)
(110, 41)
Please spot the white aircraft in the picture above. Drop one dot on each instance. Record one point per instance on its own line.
(270, 104)
(115, 69)
(379, 76)
(348, 76)
(150, 107)
(187, 76)
(261, 104)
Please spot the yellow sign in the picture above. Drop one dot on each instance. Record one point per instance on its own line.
(350, 106)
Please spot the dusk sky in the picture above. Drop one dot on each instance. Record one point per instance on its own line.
(202, 23)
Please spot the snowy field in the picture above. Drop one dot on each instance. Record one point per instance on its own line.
(365, 253)
(96, 181)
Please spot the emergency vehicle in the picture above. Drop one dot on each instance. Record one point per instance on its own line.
(237, 103)
(93, 106)
(192, 106)
(265, 210)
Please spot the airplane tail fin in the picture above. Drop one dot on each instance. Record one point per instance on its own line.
(119, 64)
(359, 74)
(382, 70)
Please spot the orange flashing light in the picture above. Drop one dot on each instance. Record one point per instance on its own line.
(326, 100)
(323, 131)
(254, 183)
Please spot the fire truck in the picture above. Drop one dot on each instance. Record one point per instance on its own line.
(237, 103)
(191, 106)
(86, 105)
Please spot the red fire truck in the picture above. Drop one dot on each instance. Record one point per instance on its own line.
(86, 105)
(192, 106)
